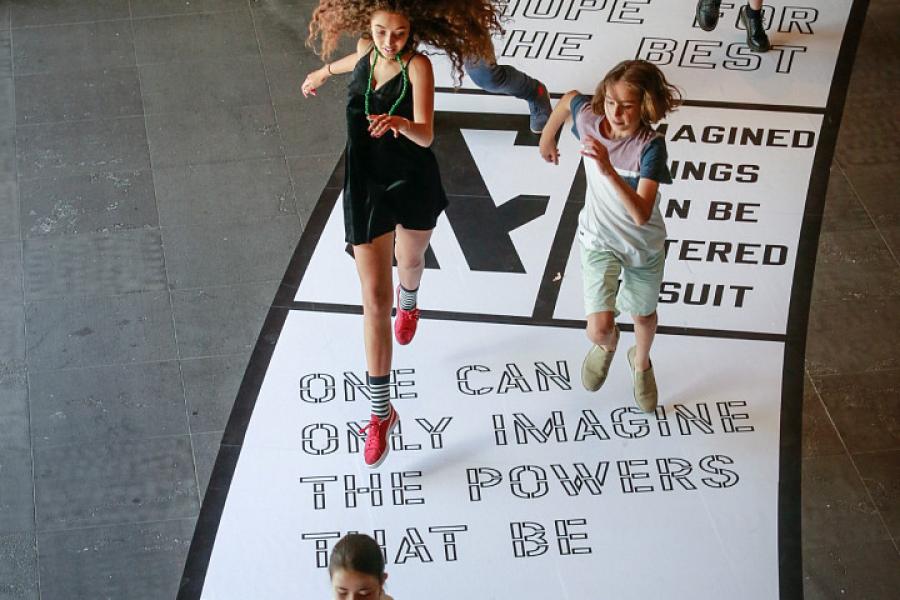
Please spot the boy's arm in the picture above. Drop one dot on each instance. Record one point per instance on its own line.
(560, 114)
(639, 203)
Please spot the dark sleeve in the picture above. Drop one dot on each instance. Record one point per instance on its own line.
(654, 161)
(576, 104)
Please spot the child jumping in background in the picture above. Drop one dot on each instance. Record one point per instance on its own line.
(393, 194)
(356, 568)
(620, 228)
(750, 14)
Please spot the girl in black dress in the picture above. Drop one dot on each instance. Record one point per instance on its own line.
(392, 187)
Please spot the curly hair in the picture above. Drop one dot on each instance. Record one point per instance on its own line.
(460, 28)
(658, 96)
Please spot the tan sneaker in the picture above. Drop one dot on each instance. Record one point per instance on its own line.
(596, 366)
(645, 393)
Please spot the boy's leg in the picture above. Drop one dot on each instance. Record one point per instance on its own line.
(644, 332)
(507, 80)
(639, 295)
(707, 14)
(751, 18)
(600, 276)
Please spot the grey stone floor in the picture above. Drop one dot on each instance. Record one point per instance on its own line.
(156, 170)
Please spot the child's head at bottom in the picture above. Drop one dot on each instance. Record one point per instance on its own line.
(356, 568)
(640, 83)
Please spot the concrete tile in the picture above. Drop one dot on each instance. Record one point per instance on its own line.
(854, 264)
(194, 37)
(115, 482)
(206, 449)
(843, 210)
(223, 192)
(853, 336)
(229, 253)
(864, 571)
(877, 64)
(881, 474)
(819, 436)
(94, 264)
(12, 338)
(865, 408)
(282, 27)
(119, 403)
(7, 102)
(16, 491)
(11, 273)
(78, 95)
(221, 320)
(156, 8)
(84, 332)
(313, 126)
(211, 387)
(89, 203)
(866, 140)
(224, 134)
(8, 165)
(18, 567)
(287, 71)
(14, 432)
(311, 175)
(138, 562)
(82, 147)
(6, 57)
(835, 507)
(32, 13)
(891, 236)
(874, 184)
(68, 48)
(9, 209)
(197, 86)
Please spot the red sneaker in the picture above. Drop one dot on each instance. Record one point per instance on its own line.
(377, 432)
(405, 323)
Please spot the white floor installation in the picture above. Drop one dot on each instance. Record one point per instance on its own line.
(506, 478)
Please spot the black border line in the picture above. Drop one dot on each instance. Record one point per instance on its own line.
(789, 532)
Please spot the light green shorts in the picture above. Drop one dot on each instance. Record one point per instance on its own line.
(639, 292)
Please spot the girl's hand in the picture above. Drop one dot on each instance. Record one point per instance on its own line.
(592, 148)
(313, 81)
(381, 124)
(549, 151)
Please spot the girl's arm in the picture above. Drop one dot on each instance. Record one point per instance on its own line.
(346, 64)
(639, 203)
(560, 115)
(421, 129)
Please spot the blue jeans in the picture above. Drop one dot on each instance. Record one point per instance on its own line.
(502, 79)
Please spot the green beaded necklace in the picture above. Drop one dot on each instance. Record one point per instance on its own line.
(369, 84)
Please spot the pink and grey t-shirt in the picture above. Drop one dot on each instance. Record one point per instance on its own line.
(604, 223)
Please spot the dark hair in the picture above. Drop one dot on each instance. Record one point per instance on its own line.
(357, 552)
(460, 28)
(658, 96)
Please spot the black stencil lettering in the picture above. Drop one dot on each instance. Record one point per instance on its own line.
(397, 384)
(696, 50)
(681, 208)
(662, 422)
(499, 430)
(741, 58)
(786, 57)
(638, 425)
(798, 19)
(512, 378)
(627, 476)
(724, 478)
(308, 439)
(539, 476)
(522, 40)
(449, 539)
(560, 377)
(353, 385)
(351, 491)
(565, 46)
(686, 419)
(412, 546)
(480, 478)
(321, 540)
(435, 432)
(576, 7)
(565, 537)
(524, 428)
(659, 51)
(401, 488)
(726, 412)
(317, 388)
(543, 9)
(528, 539)
(590, 425)
(583, 478)
(463, 384)
(355, 436)
(623, 9)
(396, 439)
(318, 483)
(672, 470)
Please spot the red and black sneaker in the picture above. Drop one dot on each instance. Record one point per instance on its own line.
(377, 433)
(405, 323)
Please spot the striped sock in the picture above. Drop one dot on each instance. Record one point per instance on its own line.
(379, 387)
(408, 298)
